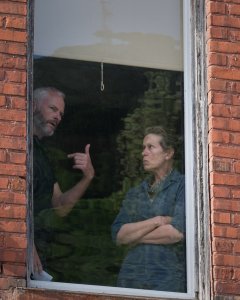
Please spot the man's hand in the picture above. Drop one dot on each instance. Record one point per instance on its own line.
(82, 161)
(64, 202)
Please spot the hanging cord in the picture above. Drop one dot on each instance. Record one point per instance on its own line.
(102, 82)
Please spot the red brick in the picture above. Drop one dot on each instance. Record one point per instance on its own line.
(2, 21)
(12, 62)
(233, 86)
(3, 155)
(15, 241)
(15, 89)
(4, 183)
(236, 248)
(14, 270)
(226, 232)
(223, 110)
(223, 47)
(235, 219)
(1, 242)
(13, 48)
(236, 274)
(2, 75)
(18, 184)
(235, 193)
(223, 20)
(220, 192)
(221, 165)
(223, 273)
(13, 8)
(16, 76)
(18, 103)
(225, 179)
(17, 157)
(226, 260)
(217, 85)
(234, 125)
(13, 36)
(235, 112)
(17, 143)
(25, 1)
(12, 169)
(13, 226)
(221, 217)
(15, 22)
(220, 110)
(217, 59)
(12, 211)
(214, 32)
(223, 245)
(236, 100)
(47, 294)
(219, 123)
(2, 101)
(219, 136)
(234, 61)
(224, 73)
(12, 197)
(6, 283)
(233, 35)
(12, 128)
(234, 9)
(219, 97)
(12, 255)
(236, 166)
(215, 7)
(224, 151)
(12, 115)
(235, 138)
(227, 288)
(226, 204)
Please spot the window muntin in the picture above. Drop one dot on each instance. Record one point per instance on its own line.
(53, 76)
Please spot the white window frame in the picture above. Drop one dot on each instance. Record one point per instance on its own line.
(192, 269)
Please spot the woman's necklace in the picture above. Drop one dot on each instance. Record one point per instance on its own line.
(155, 187)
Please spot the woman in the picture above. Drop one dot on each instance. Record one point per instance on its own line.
(152, 221)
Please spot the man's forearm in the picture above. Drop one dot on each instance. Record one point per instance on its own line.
(64, 202)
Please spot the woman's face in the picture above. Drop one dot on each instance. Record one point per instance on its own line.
(155, 158)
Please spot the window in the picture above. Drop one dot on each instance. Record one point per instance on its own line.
(115, 66)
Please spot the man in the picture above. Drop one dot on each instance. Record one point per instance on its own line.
(48, 110)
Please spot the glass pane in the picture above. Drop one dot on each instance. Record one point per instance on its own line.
(109, 106)
(129, 32)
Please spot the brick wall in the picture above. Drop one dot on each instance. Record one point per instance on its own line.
(223, 59)
(13, 38)
(223, 73)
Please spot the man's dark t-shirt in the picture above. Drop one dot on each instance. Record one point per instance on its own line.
(43, 184)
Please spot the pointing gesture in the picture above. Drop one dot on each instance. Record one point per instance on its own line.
(64, 202)
(82, 161)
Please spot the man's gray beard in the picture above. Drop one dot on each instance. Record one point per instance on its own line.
(40, 126)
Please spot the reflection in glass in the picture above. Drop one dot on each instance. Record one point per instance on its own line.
(80, 248)
(136, 32)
